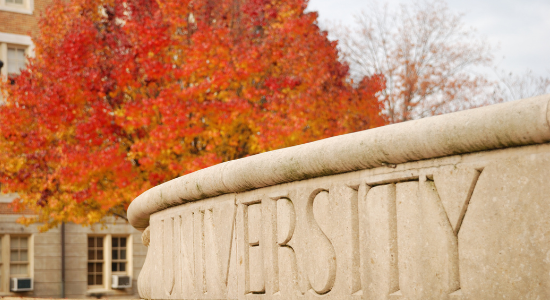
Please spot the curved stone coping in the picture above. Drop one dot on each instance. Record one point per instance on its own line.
(511, 124)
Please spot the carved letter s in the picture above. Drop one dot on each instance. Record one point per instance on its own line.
(321, 263)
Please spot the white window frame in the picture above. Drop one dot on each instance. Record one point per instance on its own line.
(19, 249)
(16, 40)
(18, 49)
(27, 8)
(119, 260)
(5, 257)
(88, 261)
(107, 260)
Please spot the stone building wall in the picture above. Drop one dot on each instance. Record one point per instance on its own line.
(45, 259)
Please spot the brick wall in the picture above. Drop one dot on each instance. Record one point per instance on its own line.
(17, 23)
(7, 209)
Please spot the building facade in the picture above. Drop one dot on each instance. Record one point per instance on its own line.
(18, 21)
(70, 261)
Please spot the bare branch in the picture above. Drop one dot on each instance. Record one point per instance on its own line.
(426, 54)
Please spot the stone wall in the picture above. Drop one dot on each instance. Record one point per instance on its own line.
(449, 207)
(45, 258)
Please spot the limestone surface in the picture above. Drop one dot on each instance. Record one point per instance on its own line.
(449, 207)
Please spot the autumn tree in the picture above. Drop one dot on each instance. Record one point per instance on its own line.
(426, 54)
(125, 95)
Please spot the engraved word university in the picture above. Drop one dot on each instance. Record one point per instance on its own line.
(453, 207)
(376, 237)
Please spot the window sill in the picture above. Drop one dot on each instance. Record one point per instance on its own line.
(98, 292)
(102, 292)
(15, 294)
(25, 11)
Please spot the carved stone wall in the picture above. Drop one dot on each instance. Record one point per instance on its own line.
(466, 226)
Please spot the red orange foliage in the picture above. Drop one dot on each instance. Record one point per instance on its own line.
(124, 95)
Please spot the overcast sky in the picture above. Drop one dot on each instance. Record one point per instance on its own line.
(520, 28)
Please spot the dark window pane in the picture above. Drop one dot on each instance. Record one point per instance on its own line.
(91, 254)
(122, 267)
(122, 254)
(115, 254)
(99, 279)
(90, 267)
(98, 267)
(91, 242)
(115, 242)
(123, 242)
(114, 267)
(99, 242)
(99, 254)
(90, 279)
